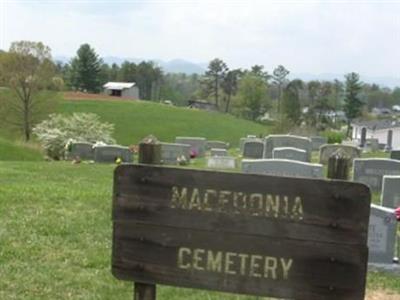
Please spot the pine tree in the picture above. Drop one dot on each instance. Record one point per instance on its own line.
(213, 78)
(85, 70)
(352, 101)
(291, 101)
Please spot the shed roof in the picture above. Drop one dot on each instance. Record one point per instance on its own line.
(378, 124)
(118, 85)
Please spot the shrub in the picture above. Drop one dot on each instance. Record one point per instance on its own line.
(334, 137)
(56, 132)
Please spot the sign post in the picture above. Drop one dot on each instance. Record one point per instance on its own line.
(249, 234)
(149, 153)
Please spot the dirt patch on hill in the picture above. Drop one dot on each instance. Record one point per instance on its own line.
(88, 96)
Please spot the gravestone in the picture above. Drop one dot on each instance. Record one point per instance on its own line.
(389, 140)
(318, 141)
(290, 153)
(253, 149)
(381, 235)
(390, 196)
(363, 137)
(370, 171)
(373, 144)
(197, 144)
(282, 167)
(82, 150)
(279, 141)
(327, 150)
(171, 151)
(217, 144)
(221, 162)
(109, 154)
(247, 139)
(218, 152)
(395, 154)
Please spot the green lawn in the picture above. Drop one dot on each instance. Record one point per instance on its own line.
(55, 235)
(136, 119)
(18, 151)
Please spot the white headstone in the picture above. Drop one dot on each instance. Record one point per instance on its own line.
(381, 234)
(221, 162)
(282, 167)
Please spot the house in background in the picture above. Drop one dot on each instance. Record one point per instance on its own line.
(378, 129)
(202, 104)
(122, 89)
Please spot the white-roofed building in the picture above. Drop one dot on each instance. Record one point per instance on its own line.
(122, 89)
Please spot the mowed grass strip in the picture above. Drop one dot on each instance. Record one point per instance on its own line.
(134, 120)
(55, 236)
(19, 151)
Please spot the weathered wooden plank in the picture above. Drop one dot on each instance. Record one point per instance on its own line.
(250, 234)
(322, 269)
(332, 211)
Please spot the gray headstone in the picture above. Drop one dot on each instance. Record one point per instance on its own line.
(290, 153)
(390, 196)
(218, 152)
(363, 136)
(395, 154)
(373, 144)
(110, 153)
(318, 141)
(217, 144)
(282, 167)
(381, 234)
(253, 149)
(82, 150)
(221, 162)
(170, 152)
(279, 141)
(389, 140)
(197, 144)
(370, 171)
(327, 150)
(247, 139)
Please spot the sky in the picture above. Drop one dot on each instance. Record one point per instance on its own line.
(304, 36)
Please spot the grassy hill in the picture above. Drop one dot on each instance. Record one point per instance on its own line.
(16, 151)
(136, 119)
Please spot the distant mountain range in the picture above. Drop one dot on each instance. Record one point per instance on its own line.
(187, 67)
(172, 66)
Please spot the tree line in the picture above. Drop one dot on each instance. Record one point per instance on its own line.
(28, 69)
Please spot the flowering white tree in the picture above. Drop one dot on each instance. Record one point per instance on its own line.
(58, 130)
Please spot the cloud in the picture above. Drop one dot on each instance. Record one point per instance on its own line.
(305, 36)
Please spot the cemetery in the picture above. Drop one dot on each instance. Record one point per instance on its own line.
(220, 154)
(293, 158)
(273, 157)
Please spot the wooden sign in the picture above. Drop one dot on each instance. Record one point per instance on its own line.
(241, 233)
